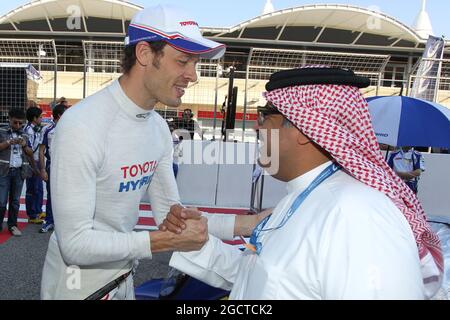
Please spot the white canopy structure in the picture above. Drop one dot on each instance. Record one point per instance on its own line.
(323, 25)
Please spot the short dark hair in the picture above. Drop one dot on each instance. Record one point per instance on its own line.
(191, 114)
(129, 54)
(17, 113)
(33, 112)
(32, 103)
(58, 110)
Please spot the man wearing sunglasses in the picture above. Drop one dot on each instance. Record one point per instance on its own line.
(15, 155)
(349, 228)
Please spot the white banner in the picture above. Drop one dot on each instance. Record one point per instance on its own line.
(424, 86)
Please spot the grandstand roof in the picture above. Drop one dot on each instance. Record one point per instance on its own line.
(324, 25)
(54, 16)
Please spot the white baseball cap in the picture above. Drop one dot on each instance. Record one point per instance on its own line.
(169, 24)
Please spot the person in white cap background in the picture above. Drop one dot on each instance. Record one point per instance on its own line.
(349, 228)
(110, 150)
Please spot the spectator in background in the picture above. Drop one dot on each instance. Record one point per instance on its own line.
(177, 151)
(14, 167)
(32, 103)
(186, 122)
(34, 187)
(44, 162)
(408, 164)
(223, 112)
(52, 104)
(63, 101)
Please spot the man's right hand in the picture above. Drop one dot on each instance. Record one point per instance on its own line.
(175, 219)
(44, 175)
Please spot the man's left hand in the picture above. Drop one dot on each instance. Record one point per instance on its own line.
(245, 223)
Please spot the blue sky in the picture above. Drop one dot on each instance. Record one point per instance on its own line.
(225, 13)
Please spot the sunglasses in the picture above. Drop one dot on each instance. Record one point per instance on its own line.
(265, 111)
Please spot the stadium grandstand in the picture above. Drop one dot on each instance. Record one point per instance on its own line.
(75, 46)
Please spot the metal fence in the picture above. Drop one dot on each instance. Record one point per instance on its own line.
(435, 81)
(102, 60)
(41, 55)
(263, 62)
(101, 64)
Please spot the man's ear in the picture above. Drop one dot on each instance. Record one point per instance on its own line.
(302, 139)
(144, 53)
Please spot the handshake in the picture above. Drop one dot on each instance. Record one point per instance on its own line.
(185, 229)
(188, 228)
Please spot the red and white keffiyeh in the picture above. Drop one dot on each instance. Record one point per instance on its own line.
(337, 118)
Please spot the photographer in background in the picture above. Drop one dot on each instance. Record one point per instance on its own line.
(44, 162)
(14, 167)
(408, 164)
(34, 185)
(187, 122)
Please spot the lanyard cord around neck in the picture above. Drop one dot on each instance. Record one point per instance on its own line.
(328, 172)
